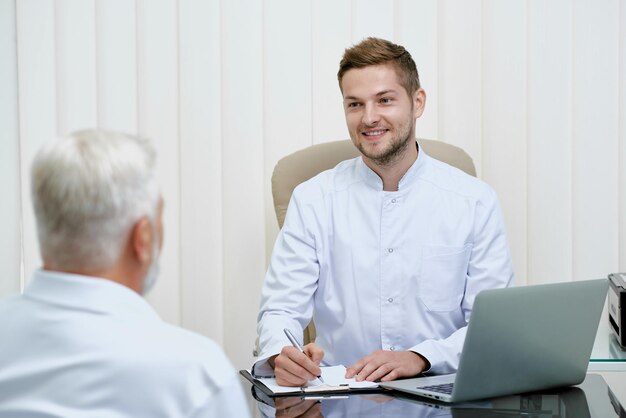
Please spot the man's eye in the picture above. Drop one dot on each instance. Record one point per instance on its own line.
(385, 100)
(353, 104)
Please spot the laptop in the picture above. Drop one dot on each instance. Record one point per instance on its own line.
(521, 339)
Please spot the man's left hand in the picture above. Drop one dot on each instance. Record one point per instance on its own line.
(386, 366)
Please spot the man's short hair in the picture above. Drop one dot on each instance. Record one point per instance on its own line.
(376, 51)
(88, 190)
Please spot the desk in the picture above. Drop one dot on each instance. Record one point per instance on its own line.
(591, 399)
(607, 355)
(608, 360)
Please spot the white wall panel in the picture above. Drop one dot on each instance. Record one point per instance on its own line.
(243, 174)
(157, 65)
(504, 118)
(201, 168)
(460, 79)
(75, 65)
(371, 18)
(416, 29)
(595, 137)
(10, 210)
(549, 141)
(116, 64)
(286, 91)
(330, 37)
(534, 91)
(37, 105)
(622, 136)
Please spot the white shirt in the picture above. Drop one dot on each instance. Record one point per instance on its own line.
(383, 270)
(75, 346)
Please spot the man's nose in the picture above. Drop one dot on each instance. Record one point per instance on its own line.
(370, 115)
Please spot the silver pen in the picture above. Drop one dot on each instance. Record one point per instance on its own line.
(295, 343)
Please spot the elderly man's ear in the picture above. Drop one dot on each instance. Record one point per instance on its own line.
(138, 255)
(142, 241)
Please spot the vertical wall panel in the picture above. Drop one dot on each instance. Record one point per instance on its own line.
(116, 69)
(595, 133)
(416, 29)
(75, 65)
(201, 168)
(37, 109)
(225, 88)
(549, 141)
(330, 37)
(504, 127)
(243, 174)
(371, 18)
(157, 36)
(622, 137)
(286, 91)
(10, 210)
(460, 81)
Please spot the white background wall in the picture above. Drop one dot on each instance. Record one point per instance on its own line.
(534, 91)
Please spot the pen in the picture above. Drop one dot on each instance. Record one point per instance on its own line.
(295, 343)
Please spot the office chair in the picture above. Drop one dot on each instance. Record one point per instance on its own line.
(302, 165)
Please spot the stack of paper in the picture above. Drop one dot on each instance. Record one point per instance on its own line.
(334, 380)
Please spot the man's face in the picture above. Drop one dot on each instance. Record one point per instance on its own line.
(379, 112)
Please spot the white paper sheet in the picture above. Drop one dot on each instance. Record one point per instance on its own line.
(333, 376)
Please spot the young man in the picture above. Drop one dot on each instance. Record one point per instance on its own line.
(81, 341)
(387, 251)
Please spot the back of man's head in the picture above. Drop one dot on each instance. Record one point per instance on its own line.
(88, 190)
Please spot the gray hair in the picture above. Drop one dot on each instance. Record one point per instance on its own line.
(88, 190)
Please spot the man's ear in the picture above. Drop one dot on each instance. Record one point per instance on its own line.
(141, 240)
(419, 102)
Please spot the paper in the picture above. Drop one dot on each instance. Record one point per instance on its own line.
(333, 377)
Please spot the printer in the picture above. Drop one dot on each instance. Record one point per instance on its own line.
(617, 306)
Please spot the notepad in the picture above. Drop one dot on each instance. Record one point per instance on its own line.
(334, 381)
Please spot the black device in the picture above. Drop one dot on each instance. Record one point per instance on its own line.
(617, 306)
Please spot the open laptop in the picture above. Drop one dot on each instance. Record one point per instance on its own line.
(521, 339)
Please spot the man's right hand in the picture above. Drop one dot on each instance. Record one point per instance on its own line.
(296, 407)
(294, 368)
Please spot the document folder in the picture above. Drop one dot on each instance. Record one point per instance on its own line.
(337, 384)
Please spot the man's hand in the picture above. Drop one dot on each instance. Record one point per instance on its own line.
(294, 368)
(386, 366)
(295, 407)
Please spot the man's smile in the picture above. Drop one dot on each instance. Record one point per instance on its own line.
(374, 133)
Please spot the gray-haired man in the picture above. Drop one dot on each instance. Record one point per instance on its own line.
(81, 341)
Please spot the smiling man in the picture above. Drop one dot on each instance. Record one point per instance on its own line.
(386, 252)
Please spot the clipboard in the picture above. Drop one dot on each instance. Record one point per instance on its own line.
(322, 390)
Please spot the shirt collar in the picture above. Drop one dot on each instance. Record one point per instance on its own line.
(86, 293)
(407, 180)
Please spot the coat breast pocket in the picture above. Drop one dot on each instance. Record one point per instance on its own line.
(441, 283)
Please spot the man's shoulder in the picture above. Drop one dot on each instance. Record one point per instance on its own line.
(335, 179)
(455, 181)
(13, 307)
(175, 348)
(181, 345)
(8, 302)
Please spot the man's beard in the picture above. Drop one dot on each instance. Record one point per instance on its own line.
(397, 148)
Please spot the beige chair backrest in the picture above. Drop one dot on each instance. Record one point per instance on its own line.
(302, 165)
(308, 162)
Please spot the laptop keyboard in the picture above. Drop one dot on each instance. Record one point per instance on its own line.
(443, 388)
